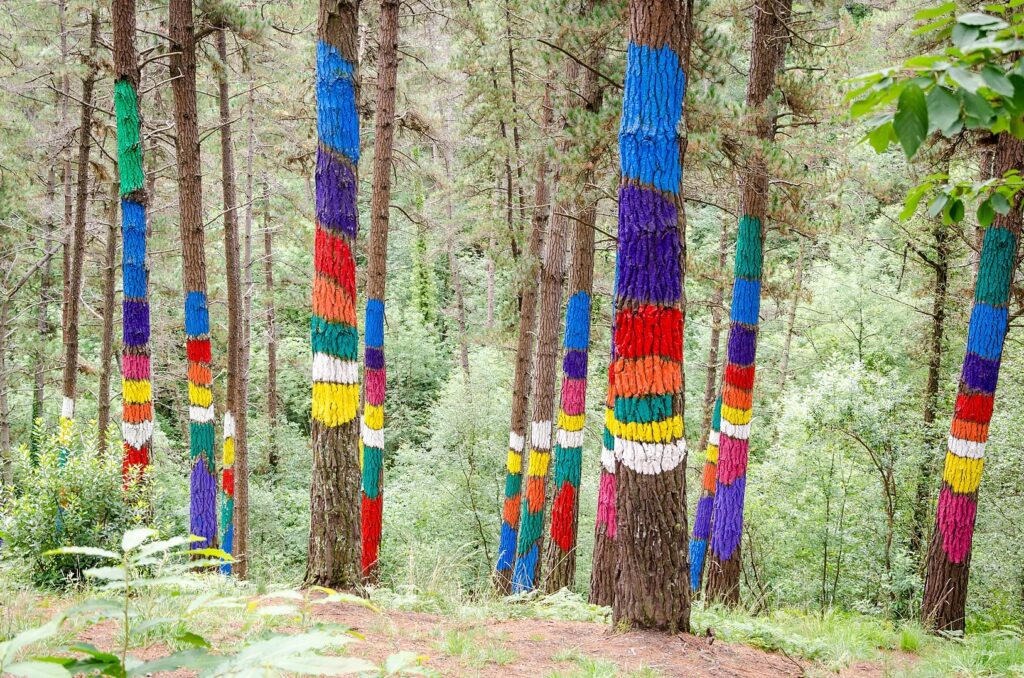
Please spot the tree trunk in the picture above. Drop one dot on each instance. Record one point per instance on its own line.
(107, 341)
(702, 518)
(70, 381)
(949, 556)
(560, 556)
(926, 471)
(137, 396)
(376, 278)
(5, 406)
(712, 386)
(522, 369)
(43, 326)
(787, 342)
(203, 509)
(234, 411)
(69, 202)
(767, 57)
(334, 539)
(268, 276)
(647, 420)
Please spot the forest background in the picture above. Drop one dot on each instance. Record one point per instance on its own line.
(854, 393)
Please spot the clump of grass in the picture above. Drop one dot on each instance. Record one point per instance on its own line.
(993, 653)
(476, 648)
(912, 637)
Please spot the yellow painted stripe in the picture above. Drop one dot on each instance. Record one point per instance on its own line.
(963, 474)
(538, 463)
(335, 404)
(712, 454)
(514, 462)
(198, 395)
(229, 451)
(373, 416)
(664, 431)
(570, 422)
(137, 391)
(736, 416)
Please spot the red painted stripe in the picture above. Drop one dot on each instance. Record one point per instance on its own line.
(562, 511)
(334, 258)
(198, 350)
(740, 377)
(974, 407)
(649, 330)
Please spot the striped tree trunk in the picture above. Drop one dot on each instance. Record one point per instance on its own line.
(203, 507)
(949, 555)
(605, 566)
(767, 54)
(372, 447)
(651, 590)
(702, 521)
(334, 537)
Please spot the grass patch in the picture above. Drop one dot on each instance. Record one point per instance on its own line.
(475, 648)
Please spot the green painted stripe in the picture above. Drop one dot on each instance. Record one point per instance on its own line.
(748, 248)
(995, 269)
(201, 442)
(129, 148)
(716, 418)
(513, 484)
(529, 530)
(643, 410)
(337, 339)
(373, 461)
(568, 462)
(609, 439)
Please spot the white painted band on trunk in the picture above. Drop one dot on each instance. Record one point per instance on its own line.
(568, 439)
(516, 442)
(200, 415)
(328, 368)
(713, 437)
(966, 448)
(540, 435)
(371, 437)
(67, 408)
(736, 432)
(608, 459)
(650, 458)
(229, 425)
(137, 435)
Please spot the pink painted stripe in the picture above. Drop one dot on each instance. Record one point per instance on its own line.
(376, 384)
(732, 459)
(606, 504)
(956, 523)
(574, 396)
(135, 366)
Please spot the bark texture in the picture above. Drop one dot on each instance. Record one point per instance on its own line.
(271, 331)
(107, 334)
(203, 505)
(949, 555)
(376, 277)
(651, 590)
(334, 537)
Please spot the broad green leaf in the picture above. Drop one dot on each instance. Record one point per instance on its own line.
(985, 214)
(193, 658)
(161, 546)
(132, 539)
(999, 203)
(110, 573)
(932, 12)
(969, 80)
(979, 111)
(912, 200)
(956, 211)
(996, 81)
(37, 669)
(933, 26)
(937, 204)
(193, 639)
(926, 61)
(911, 120)
(985, 20)
(943, 109)
(83, 551)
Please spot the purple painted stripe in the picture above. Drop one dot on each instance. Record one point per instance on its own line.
(648, 268)
(135, 322)
(335, 194)
(702, 523)
(742, 345)
(728, 512)
(980, 374)
(374, 358)
(574, 364)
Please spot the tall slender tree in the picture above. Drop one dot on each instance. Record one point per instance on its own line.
(334, 537)
(766, 58)
(271, 330)
(651, 590)
(605, 566)
(43, 325)
(203, 507)
(702, 519)
(376, 275)
(107, 315)
(949, 555)
(74, 273)
(522, 368)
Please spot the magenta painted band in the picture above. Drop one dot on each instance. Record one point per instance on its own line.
(606, 504)
(376, 381)
(956, 515)
(574, 396)
(732, 459)
(135, 366)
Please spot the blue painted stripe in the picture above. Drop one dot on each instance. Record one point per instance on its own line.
(746, 301)
(374, 323)
(507, 547)
(337, 121)
(987, 331)
(133, 279)
(522, 578)
(197, 314)
(698, 548)
(577, 322)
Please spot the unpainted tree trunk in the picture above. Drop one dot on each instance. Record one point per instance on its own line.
(107, 337)
(43, 326)
(712, 386)
(334, 540)
(376, 278)
(787, 342)
(203, 508)
(271, 331)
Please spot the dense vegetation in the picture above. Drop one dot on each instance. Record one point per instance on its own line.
(864, 303)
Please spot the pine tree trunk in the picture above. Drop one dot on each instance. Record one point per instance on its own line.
(74, 291)
(234, 412)
(949, 556)
(702, 518)
(334, 539)
(137, 395)
(560, 556)
(43, 326)
(5, 405)
(203, 509)
(268, 278)
(712, 386)
(376, 278)
(767, 54)
(787, 342)
(522, 370)
(651, 590)
(107, 340)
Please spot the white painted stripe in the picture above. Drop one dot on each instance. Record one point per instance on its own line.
(734, 431)
(540, 436)
(372, 438)
(200, 415)
(650, 458)
(608, 459)
(137, 435)
(67, 408)
(229, 425)
(713, 438)
(966, 448)
(569, 438)
(328, 368)
(516, 442)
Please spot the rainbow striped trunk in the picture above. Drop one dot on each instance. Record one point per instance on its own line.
(702, 521)
(203, 507)
(510, 511)
(572, 413)
(137, 396)
(227, 488)
(737, 394)
(371, 447)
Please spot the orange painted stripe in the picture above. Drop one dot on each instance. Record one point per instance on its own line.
(331, 302)
(199, 374)
(511, 512)
(969, 430)
(651, 375)
(135, 413)
(710, 473)
(737, 397)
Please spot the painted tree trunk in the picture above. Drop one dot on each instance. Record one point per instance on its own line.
(949, 556)
(605, 566)
(334, 538)
(107, 335)
(372, 444)
(651, 590)
(711, 380)
(137, 391)
(767, 52)
(521, 375)
(702, 521)
(74, 284)
(203, 482)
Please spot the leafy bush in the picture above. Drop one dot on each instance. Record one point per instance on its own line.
(81, 502)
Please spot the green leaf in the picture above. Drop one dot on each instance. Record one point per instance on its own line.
(969, 80)
(932, 12)
(911, 120)
(37, 669)
(985, 214)
(193, 658)
(106, 573)
(997, 81)
(10, 648)
(193, 639)
(999, 203)
(937, 204)
(912, 200)
(933, 26)
(985, 20)
(132, 539)
(943, 109)
(83, 551)
(956, 211)
(979, 111)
